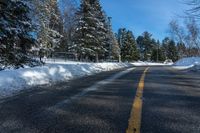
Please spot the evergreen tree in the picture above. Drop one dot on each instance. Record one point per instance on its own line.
(157, 53)
(112, 46)
(129, 50)
(121, 36)
(102, 31)
(165, 44)
(48, 19)
(115, 49)
(140, 46)
(56, 25)
(83, 36)
(15, 33)
(170, 49)
(90, 34)
(145, 45)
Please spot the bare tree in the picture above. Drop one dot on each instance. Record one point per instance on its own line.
(176, 31)
(69, 8)
(193, 36)
(194, 8)
(187, 35)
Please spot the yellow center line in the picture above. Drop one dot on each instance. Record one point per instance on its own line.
(136, 112)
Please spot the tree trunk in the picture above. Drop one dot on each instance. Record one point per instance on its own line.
(97, 57)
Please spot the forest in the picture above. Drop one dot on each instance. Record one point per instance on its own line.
(82, 31)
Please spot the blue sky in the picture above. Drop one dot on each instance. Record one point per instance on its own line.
(143, 15)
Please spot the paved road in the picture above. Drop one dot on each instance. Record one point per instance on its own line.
(103, 103)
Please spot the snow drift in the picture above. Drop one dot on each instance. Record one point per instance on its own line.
(143, 63)
(190, 63)
(12, 81)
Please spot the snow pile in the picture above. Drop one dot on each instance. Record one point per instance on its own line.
(191, 63)
(141, 63)
(12, 81)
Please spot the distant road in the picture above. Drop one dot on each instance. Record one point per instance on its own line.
(140, 100)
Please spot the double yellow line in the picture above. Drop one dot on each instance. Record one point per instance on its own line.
(136, 112)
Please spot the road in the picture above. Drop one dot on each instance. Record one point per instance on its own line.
(160, 100)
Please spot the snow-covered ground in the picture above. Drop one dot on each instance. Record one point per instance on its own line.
(12, 81)
(142, 63)
(190, 63)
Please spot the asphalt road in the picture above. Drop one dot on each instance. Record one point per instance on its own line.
(102, 103)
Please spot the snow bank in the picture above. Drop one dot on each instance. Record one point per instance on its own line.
(190, 63)
(12, 81)
(141, 63)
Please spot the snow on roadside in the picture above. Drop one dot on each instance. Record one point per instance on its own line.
(141, 63)
(190, 63)
(12, 81)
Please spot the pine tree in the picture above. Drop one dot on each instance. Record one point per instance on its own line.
(83, 37)
(112, 45)
(15, 36)
(90, 34)
(145, 45)
(172, 51)
(140, 46)
(47, 17)
(102, 32)
(115, 49)
(121, 36)
(56, 25)
(157, 54)
(129, 50)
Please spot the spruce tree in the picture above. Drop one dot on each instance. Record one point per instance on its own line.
(157, 54)
(48, 19)
(145, 45)
(102, 31)
(90, 33)
(121, 36)
(172, 51)
(83, 36)
(140, 46)
(15, 36)
(129, 50)
(112, 45)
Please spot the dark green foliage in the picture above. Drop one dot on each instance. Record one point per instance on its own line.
(112, 46)
(128, 46)
(170, 49)
(157, 53)
(145, 46)
(15, 33)
(90, 33)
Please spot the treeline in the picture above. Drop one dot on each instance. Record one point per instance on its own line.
(28, 28)
(146, 48)
(187, 36)
(33, 29)
(186, 30)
